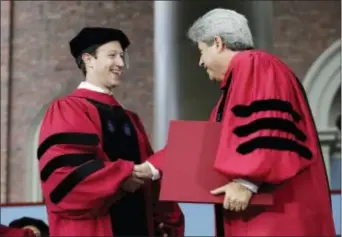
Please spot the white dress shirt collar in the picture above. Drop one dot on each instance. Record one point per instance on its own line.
(92, 87)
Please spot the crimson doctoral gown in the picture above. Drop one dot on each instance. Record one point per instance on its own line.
(269, 137)
(88, 146)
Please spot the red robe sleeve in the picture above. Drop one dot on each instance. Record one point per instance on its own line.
(268, 134)
(77, 177)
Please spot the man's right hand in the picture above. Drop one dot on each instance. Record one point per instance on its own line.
(132, 183)
(143, 171)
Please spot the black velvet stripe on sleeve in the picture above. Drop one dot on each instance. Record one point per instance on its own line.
(271, 141)
(86, 139)
(265, 105)
(279, 124)
(67, 160)
(74, 178)
(275, 143)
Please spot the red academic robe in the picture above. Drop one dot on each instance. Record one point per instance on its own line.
(15, 232)
(269, 137)
(82, 172)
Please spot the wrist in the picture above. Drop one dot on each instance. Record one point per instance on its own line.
(248, 185)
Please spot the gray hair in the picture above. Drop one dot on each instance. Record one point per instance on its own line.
(231, 26)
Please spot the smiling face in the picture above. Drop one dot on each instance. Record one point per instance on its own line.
(208, 60)
(215, 58)
(105, 68)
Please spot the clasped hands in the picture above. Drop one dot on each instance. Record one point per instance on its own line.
(136, 180)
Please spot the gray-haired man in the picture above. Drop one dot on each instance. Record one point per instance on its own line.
(268, 135)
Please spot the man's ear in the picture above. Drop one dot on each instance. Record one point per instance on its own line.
(218, 43)
(86, 57)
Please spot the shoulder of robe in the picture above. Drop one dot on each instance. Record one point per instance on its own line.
(65, 108)
(266, 69)
(259, 58)
(69, 103)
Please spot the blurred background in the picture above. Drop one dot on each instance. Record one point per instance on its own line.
(164, 81)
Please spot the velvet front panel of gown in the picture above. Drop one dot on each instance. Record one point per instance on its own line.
(128, 215)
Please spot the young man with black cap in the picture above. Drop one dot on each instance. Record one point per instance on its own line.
(88, 147)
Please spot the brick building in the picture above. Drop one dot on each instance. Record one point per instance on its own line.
(36, 66)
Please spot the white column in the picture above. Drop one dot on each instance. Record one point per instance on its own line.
(33, 189)
(36, 188)
(261, 19)
(165, 70)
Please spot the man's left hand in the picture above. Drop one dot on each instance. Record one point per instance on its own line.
(143, 171)
(236, 197)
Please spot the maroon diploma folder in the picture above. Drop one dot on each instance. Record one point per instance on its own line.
(188, 173)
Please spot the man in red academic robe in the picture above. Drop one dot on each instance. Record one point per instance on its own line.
(268, 136)
(88, 147)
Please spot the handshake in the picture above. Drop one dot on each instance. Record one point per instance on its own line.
(136, 180)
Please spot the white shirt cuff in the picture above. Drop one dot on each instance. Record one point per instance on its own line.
(254, 188)
(155, 172)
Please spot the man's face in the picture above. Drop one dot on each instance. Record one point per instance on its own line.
(108, 64)
(209, 60)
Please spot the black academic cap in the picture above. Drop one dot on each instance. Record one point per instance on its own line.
(91, 36)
